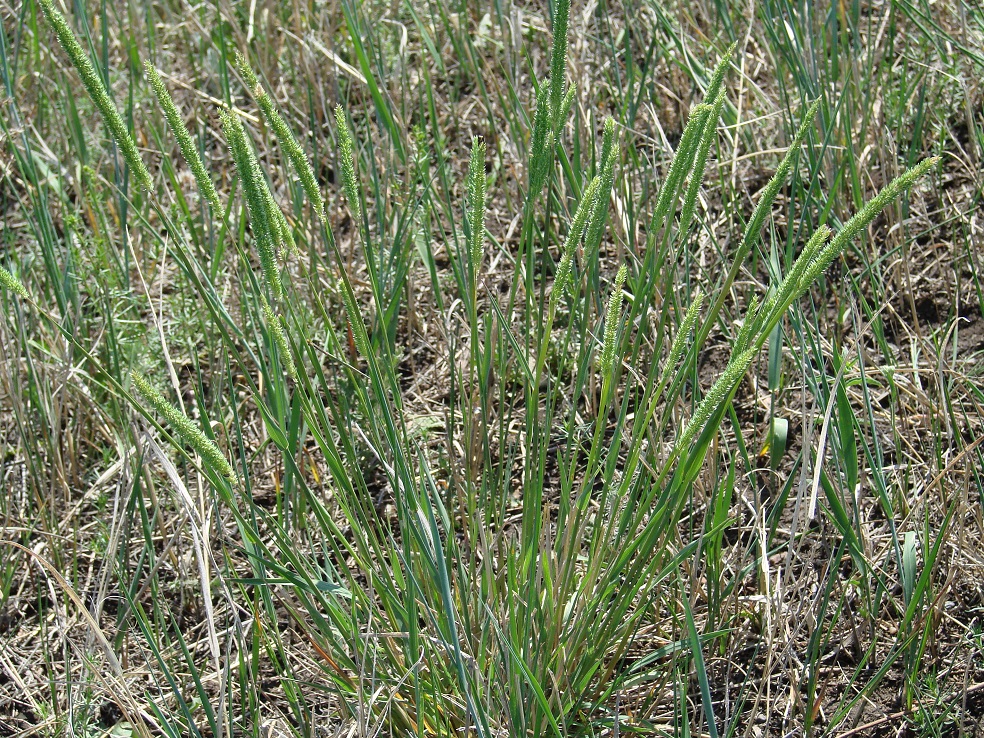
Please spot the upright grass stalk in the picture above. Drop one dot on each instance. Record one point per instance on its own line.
(352, 190)
(97, 92)
(562, 278)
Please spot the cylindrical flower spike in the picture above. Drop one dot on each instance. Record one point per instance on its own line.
(610, 154)
(578, 224)
(558, 60)
(720, 391)
(285, 136)
(259, 201)
(865, 215)
(476, 206)
(185, 142)
(279, 338)
(97, 92)
(541, 142)
(13, 284)
(612, 316)
(185, 428)
(350, 181)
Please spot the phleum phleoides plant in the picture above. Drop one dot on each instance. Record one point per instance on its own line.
(504, 593)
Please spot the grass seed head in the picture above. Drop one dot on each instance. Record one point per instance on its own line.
(613, 315)
(711, 118)
(558, 60)
(717, 78)
(866, 214)
(683, 335)
(578, 225)
(279, 338)
(350, 180)
(285, 137)
(683, 161)
(720, 391)
(13, 284)
(476, 205)
(599, 215)
(541, 142)
(185, 428)
(185, 142)
(764, 205)
(259, 200)
(97, 92)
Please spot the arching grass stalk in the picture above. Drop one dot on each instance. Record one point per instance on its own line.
(720, 390)
(806, 269)
(285, 137)
(185, 142)
(693, 442)
(185, 428)
(816, 256)
(97, 92)
(863, 217)
(259, 202)
(785, 292)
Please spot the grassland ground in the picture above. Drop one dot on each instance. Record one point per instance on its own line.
(457, 499)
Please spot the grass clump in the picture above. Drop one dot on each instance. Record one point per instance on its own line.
(494, 433)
